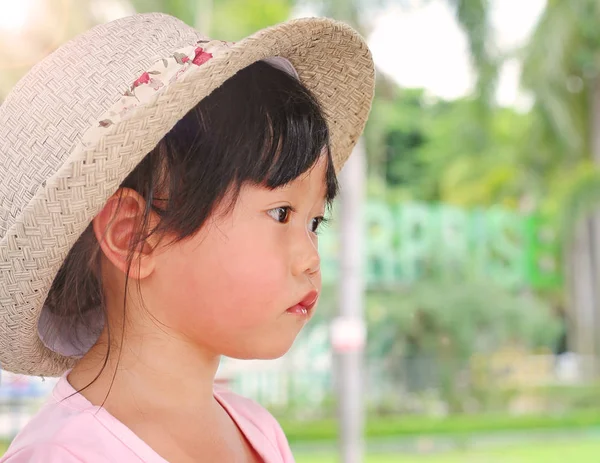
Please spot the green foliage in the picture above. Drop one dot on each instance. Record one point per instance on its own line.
(182, 9)
(450, 321)
(458, 319)
(434, 151)
(229, 20)
(472, 170)
(394, 134)
(575, 194)
(235, 19)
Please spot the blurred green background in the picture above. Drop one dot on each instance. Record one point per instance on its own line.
(483, 234)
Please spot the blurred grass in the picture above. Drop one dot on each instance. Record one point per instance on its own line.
(335, 459)
(325, 430)
(553, 452)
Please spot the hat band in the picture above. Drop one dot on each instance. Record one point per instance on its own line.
(160, 75)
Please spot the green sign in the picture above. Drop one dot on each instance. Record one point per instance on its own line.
(412, 241)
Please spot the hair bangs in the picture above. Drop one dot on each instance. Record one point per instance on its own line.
(291, 147)
(279, 133)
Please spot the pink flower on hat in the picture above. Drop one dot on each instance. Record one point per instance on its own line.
(177, 75)
(201, 56)
(155, 84)
(143, 79)
(125, 110)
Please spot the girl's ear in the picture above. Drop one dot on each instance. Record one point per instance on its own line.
(116, 228)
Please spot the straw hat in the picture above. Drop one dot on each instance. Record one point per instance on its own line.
(79, 122)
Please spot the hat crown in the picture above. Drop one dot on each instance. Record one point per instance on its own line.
(45, 115)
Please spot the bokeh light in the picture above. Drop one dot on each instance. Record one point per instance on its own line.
(13, 15)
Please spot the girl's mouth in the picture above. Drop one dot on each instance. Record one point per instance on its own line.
(305, 306)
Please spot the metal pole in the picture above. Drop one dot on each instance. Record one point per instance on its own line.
(203, 16)
(348, 330)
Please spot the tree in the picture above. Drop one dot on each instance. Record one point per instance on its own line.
(562, 69)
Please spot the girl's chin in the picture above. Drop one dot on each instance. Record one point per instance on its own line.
(267, 346)
(266, 352)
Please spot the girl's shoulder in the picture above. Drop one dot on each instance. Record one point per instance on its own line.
(58, 433)
(243, 406)
(69, 429)
(44, 453)
(254, 420)
(245, 410)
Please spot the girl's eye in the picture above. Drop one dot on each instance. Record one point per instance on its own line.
(281, 214)
(316, 222)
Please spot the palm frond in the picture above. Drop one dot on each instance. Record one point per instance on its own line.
(548, 65)
(579, 199)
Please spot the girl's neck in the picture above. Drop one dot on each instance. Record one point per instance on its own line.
(157, 371)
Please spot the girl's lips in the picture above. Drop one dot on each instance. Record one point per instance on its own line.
(305, 305)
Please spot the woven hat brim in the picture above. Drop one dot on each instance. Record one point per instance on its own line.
(331, 60)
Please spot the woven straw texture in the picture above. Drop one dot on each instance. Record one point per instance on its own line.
(51, 188)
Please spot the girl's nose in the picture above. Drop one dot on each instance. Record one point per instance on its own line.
(314, 264)
(308, 260)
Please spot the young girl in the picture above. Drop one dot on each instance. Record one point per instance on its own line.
(160, 200)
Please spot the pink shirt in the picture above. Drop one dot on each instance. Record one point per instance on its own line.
(75, 431)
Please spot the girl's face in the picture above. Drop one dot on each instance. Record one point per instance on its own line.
(235, 286)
